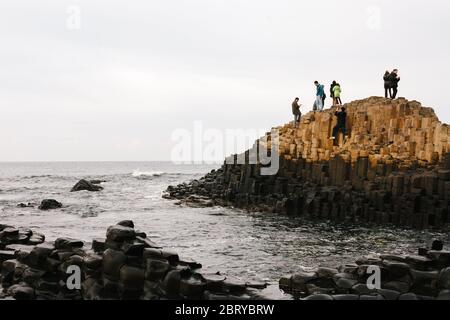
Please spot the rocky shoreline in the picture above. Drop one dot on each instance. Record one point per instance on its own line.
(425, 276)
(393, 169)
(125, 265)
(129, 266)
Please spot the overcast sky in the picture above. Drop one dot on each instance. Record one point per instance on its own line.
(115, 81)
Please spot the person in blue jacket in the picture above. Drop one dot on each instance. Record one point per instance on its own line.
(320, 93)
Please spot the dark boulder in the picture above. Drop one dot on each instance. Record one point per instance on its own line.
(112, 263)
(21, 292)
(437, 245)
(25, 205)
(68, 244)
(120, 233)
(49, 204)
(126, 223)
(85, 185)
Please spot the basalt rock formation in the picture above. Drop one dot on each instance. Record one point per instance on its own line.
(393, 167)
(425, 276)
(87, 185)
(125, 265)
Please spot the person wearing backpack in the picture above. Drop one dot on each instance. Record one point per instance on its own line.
(320, 96)
(337, 95)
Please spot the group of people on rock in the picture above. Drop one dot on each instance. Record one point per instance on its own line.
(391, 80)
(335, 93)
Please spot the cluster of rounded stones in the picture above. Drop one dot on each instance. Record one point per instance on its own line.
(125, 265)
(425, 276)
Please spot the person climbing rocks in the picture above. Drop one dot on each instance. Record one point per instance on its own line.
(394, 80)
(387, 85)
(296, 112)
(320, 93)
(337, 95)
(341, 123)
(331, 91)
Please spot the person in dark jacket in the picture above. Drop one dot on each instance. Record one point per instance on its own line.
(394, 80)
(296, 112)
(341, 123)
(332, 93)
(387, 85)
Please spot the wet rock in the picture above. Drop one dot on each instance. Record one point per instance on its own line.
(312, 289)
(6, 255)
(68, 244)
(256, 285)
(97, 181)
(299, 281)
(348, 268)
(393, 257)
(343, 297)
(396, 269)
(425, 298)
(21, 292)
(126, 223)
(171, 283)
(74, 260)
(346, 284)
(36, 238)
(156, 269)
(419, 262)
(408, 296)
(110, 289)
(112, 262)
(119, 233)
(85, 185)
(133, 249)
(98, 245)
(437, 245)
(444, 295)
(389, 294)
(171, 256)
(33, 276)
(49, 204)
(148, 243)
(326, 272)
(421, 277)
(193, 286)
(444, 279)
(402, 287)
(362, 289)
(234, 285)
(131, 278)
(93, 261)
(9, 233)
(91, 289)
(152, 253)
(319, 297)
(40, 253)
(190, 263)
(442, 258)
(25, 205)
(214, 282)
(371, 297)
